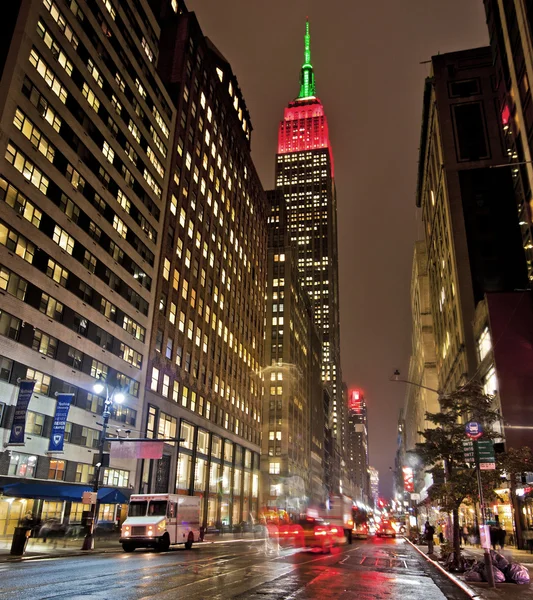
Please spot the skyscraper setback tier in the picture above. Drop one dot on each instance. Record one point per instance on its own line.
(305, 176)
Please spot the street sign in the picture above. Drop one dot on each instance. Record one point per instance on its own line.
(88, 498)
(474, 430)
(487, 460)
(469, 453)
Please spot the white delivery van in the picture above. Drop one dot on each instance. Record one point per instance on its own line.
(159, 520)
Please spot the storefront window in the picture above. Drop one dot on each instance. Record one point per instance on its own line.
(52, 510)
(184, 472)
(202, 445)
(228, 451)
(236, 510)
(106, 512)
(200, 474)
(255, 485)
(237, 482)
(187, 435)
(214, 470)
(248, 459)
(226, 479)
(238, 455)
(212, 510)
(246, 483)
(76, 512)
(216, 447)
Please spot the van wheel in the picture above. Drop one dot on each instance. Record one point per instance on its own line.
(164, 544)
(128, 547)
(190, 540)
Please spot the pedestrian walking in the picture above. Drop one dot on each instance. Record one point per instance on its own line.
(464, 534)
(429, 532)
(441, 537)
(502, 534)
(494, 536)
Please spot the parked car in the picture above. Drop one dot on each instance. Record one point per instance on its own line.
(386, 529)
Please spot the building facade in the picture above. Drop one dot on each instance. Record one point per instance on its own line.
(85, 150)
(421, 396)
(510, 24)
(206, 348)
(468, 208)
(134, 251)
(357, 446)
(305, 176)
(293, 467)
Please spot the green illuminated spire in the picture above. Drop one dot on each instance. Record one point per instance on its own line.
(307, 76)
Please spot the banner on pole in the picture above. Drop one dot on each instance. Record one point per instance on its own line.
(137, 450)
(18, 426)
(57, 435)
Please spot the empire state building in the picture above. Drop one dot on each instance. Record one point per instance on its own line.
(305, 176)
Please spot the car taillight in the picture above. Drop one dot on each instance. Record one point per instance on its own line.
(334, 530)
(320, 531)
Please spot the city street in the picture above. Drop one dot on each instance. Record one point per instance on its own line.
(367, 570)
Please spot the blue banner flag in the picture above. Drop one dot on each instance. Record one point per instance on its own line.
(19, 419)
(57, 437)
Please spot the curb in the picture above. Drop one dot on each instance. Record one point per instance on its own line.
(9, 559)
(460, 584)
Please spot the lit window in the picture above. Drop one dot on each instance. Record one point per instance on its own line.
(484, 344)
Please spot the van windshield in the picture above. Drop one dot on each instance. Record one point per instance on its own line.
(137, 508)
(157, 508)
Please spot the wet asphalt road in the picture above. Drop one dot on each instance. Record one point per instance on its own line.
(367, 570)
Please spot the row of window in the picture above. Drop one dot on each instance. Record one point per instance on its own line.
(25, 466)
(47, 385)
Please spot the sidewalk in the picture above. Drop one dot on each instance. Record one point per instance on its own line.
(503, 591)
(61, 546)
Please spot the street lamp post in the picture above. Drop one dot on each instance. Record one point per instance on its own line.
(114, 396)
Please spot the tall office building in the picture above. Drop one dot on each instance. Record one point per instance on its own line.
(305, 176)
(292, 467)
(419, 398)
(357, 445)
(85, 150)
(468, 207)
(132, 248)
(206, 350)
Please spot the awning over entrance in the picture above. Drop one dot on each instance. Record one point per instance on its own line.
(57, 491)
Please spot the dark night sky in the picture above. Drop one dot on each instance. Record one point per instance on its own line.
(366, 56)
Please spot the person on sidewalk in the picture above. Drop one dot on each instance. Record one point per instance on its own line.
(502, 533)
(429, 532)
(464, 534)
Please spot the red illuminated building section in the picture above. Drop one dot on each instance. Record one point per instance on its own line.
(304, 127)
(356, 401)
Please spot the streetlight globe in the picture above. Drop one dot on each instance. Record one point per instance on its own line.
(119, 397)
(98, 387)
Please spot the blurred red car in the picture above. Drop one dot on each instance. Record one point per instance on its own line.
(309, 533)
(386, 529)
(360, 530)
